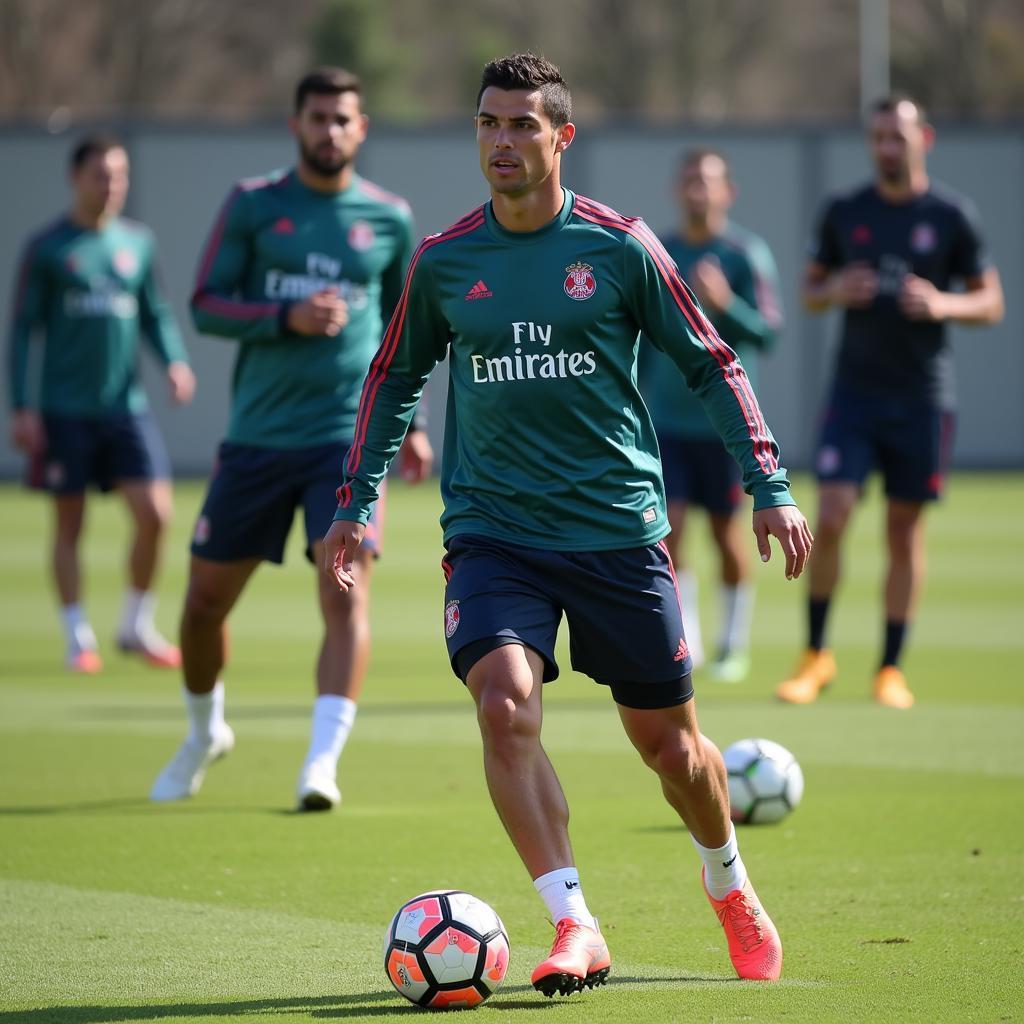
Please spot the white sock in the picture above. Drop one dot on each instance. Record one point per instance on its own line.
(137, 611)
(77, 631)
(333, 717)
(563, 896)
(723, 868)
(691, 619)
(737, 610)
(205, 713)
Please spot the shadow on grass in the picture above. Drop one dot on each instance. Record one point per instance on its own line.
(253, 712)
(366, 1004)
(138, 805)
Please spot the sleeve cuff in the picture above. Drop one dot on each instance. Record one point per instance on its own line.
(771, 494)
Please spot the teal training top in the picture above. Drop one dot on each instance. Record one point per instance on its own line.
(275, 243)
(88, 293)
(547, 441)
(749, 325)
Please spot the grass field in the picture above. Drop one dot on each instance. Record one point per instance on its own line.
(898, 885)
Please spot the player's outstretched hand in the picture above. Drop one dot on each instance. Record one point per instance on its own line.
(323, 313)
(340, 546)
(28, 432)
(416, 457)
(787, 524)
(182, 382)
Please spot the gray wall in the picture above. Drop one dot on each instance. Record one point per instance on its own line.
(180, 177)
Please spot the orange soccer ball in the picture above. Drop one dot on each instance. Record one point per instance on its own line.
(446, 949)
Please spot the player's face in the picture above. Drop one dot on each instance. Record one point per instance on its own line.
(518, 144)
(101, 183)
(329, 129)
(898, 142)
(705, 189)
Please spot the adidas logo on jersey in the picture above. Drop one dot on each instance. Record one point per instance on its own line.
(479, 291)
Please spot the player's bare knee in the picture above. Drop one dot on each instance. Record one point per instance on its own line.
(679, 759)
(343, 608)
(204, 606)
(506, 718)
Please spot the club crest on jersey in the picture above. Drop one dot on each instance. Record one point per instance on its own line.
(923, 238)
(361, 235)
(125, 262)
(581, 283)
(451, 618)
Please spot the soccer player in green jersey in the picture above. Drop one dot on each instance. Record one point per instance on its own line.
(88, 287)
(733, 275)
(302, 269)
(553, 500)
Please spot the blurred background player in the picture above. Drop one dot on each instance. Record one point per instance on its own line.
(87, 284)
(732, 272)
(887, 255)
(302, 269)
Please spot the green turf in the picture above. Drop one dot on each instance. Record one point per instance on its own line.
(898, 885)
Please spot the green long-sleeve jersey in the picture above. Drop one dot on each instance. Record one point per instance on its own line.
(275, 243)
(547, 440)
(89, 294)
(749, 325)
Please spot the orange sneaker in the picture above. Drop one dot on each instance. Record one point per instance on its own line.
(86, 663)
(579, 957)
(891, 688)
(816, 670)
(755, 948)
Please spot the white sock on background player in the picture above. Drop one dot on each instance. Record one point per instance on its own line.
(205, 714)
(562, 894)
(136, 614)
(737, 604)
(687, 580)
(723, 868)
(77, 631)
(333, 718)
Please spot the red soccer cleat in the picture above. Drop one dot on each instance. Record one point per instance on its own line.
(754, 945)
(579, 957)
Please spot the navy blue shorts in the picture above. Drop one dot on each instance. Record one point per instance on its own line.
(625, 621)
(700, 471)
(103, 451)
(253, 495)
(910, 442)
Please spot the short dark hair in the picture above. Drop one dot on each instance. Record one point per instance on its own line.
(534, 74)
(889, 104)
(92, 145)
(697, 155)
(326, 81)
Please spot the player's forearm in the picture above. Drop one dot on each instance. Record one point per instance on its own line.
(17, 365)
(386, 409)
(225, 317)
(735, 413)
(742, 322)
(982, 306)
(162, 334)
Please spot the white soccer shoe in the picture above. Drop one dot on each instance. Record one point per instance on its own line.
(318, 790)
(184, 773)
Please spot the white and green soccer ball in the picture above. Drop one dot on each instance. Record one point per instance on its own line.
(765, 781)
